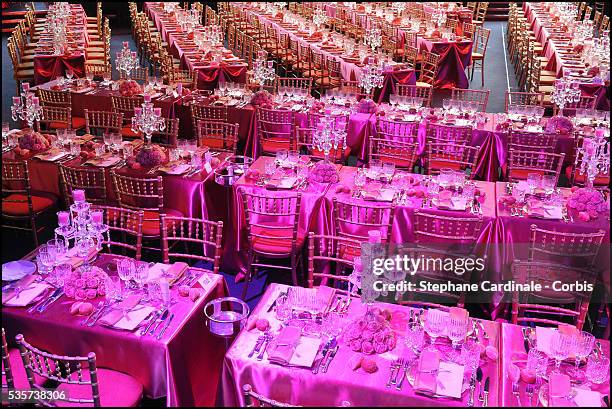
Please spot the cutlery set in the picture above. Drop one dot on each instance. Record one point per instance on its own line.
(189, 279)
(327, 355)
(45, 303)
(158, 320)
(341, 305)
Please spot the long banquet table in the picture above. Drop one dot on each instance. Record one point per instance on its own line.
(182, 365)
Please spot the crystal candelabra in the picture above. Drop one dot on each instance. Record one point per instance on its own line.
(26, 107)
(319, 17)
(263, 71)
(565, 92)
(439, 17)
(126, 60)
(399, 6)
(373, 38)
(280, 5)
(86, 227)
(372, 76)
(329, 135)
(148, 120)
(594, 157)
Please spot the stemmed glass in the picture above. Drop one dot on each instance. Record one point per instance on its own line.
(126, 270)
(597, 370)
(560, 346)
(533, 181)
(415, 338)
(58, 247)
(46, 259)
(435, 322)
(582, 348)
(360, 181)
(457, 329)
(107, 137)
(141, 274)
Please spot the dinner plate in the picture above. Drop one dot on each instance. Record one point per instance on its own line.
(15, 270)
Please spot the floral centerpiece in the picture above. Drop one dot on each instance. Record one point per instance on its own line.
(84, 284)
(560, 125)
(153, 156)
(367, 106)
(371, 334)
(316, 107)
(587, 202)
(323, 172)
(262, 99)
(34, 141)
(129, 88)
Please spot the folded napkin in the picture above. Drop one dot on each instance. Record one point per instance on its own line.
(284, 345)
(23, 283)
(104, 161)
(118, 311)
(284, 183)
(175, 169)
(75, 260)
(51, 155)
(559, 388)
(382, 195)
(426, 378)
(325, 295)
(172, 272)
(27, 295)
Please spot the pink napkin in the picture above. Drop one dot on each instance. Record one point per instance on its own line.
(427, 372)
(444, 198)
(559, 388)
(536, 208)
(23, 283)
(284, 345)
(116, 314)
(176, 270)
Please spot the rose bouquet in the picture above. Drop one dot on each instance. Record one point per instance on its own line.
(371, 334)
(129, 88)
(367, 106)
(34, 141)
(151, 156)
(85, 284)
(316, 107)
(587, 202)
(560, 125)
(261, 98)
(323, 173)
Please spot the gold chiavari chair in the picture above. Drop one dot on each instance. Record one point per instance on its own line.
(91, 180)
(146, 194)
(138, 74)
(410, 56)
(588, 11)
(448, 155)
(481, 97)
(581, 7)
(565, 247)
(523, 98)
(54, 118)
(197, 236)
(272, 221)
(103, 121)
(585, 102)
(605, 24)
(597, 18)
(253, 399)
(354, 88)
(532, 141)
(468, 29)
(303, 140)
(275, 129)
(124, 230)
(415, 91)
(301, 83)
(98, 70)
(125, 106)
(169, 136)
(355, 220)
(523, 162)
(218, 136)
(429, 69)
(185, 77)
(79, 377)
(13, 372)
(460, 135)
(208, 113)
(21, 71)
(481, 12)
(479, 50)
(337, 251)
(394, 142)
(21, 207)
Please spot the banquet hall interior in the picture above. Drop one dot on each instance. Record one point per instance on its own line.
(305, 204)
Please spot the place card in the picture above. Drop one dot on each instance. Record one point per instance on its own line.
(176, 169)
(382, 195)
(284, 183)
(104, 161)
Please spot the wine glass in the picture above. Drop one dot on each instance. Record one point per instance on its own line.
(597, 370)
(112, 289)
(582, 348)
(533, 181)
(435, 323)
(388, 170)
(58, 246)
(126, 269)
(376, 167)
(560, 346)
(107, 137)
(141, 273)
(415, 338)
(46, 257)
(457, 329)
(360, 181)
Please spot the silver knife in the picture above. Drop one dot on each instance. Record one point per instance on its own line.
(399, 382)
(486, 393)
(166, 325)
(315, 370)
(332, 354)
(161, 319)
(43, 301)
(154, 318)
(53, 299)
(257, 345)
(470, 401)
(99, 315)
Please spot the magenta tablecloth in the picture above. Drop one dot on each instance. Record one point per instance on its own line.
(48, 67)
(513, 352)
(455, 57)
(183, 366)
(392, 78)
(300, 386)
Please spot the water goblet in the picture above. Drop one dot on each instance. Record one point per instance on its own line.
(583, 346)
(281, 156)
(141, 273)
(126, 269)
(60, 272)
(457, 330)
(293, 157)
(46, 258)
(533, 181)
(435, 323)
(415, 338)
(376, 167)
(59, 247)
(560, 347)
(112, 289)
(282, 310)
(537, 362)
(549, 182)
(597, 370)
(388, 170)
(360, 181)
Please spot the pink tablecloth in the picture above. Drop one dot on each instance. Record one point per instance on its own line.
(183, 365)
(300, 386)
(48, 67)
(513, 352)
(455, 57)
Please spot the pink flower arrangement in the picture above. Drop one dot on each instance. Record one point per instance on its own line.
(370, 334)
(261, 98)
(151, 156)
(129, 88)
(85, 285)
(560, 125)
(367, 106)
(587, 202)
(316, 107)
(35, 141)
(324, 173)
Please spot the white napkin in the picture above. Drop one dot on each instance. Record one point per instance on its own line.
(305, 352)
(178, 170)
(104, 162)
(450, 379)
(27, 295)
(587, 399)
(134, 317)
(52, 155)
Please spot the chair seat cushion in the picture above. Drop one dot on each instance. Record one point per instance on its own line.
(477, 56)
(276, 243)
(215, 143)
(395, 156)
(116, 389)
(521, 174)
(77, 123)
(273, 145)
(423, 84)
(600, 180)
(150, 222)
(20, 378)
(16, 204)
(25, 73)
(127, 131)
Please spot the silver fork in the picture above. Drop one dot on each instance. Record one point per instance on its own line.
(395, 366)
(264, 345)
(529, 392)
(515, 392)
